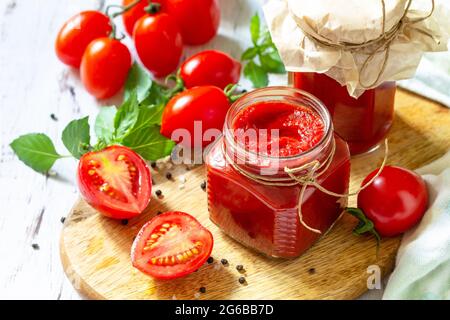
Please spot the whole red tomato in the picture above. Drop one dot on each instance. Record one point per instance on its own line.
(104, 67)
(115, 181)
(131, 16)
(77, 33)
(210, 67)
(198, 19)
(158, 43)
(207, 104)
(395, 201)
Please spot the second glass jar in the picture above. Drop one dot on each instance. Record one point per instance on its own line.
(363, 122)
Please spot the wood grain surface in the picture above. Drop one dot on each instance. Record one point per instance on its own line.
(96, 251)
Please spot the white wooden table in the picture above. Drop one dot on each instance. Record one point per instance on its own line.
(34, 85)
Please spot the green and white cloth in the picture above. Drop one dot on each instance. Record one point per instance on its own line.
(432, 79)
(423, 261)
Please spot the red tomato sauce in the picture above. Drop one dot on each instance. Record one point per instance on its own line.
(362, 122)
(297, 128)
(264, 217)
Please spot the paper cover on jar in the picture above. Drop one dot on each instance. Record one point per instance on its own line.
(358, 43)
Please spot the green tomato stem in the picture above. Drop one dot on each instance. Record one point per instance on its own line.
(112, 16)
(229, 89)
(179, 85)
(153, 7)
(365, 225)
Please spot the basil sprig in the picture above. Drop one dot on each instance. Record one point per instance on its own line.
(262, 57)
(134, 124)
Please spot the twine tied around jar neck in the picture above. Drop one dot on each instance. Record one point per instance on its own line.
(383, 42)
(307, 175)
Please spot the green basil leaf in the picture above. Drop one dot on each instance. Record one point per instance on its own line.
(265, 41)
(151, 114)
(255, 28)
(256, 74)
(76, 137)
(149, 143)
(36, 150)
(271, 62)
(249, 54)
(138, 80)
(156, 113)
(156, 95)
(104, 124)
(126, 117)
(148, 116)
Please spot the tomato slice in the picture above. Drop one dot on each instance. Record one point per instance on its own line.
(171, 245)
(116, 181)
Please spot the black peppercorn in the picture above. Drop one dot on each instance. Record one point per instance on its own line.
(63, 219)
(153, 164)
(202, 289)
(242, 280)
(124, 222)
(168, 175)
(224, 261)
(210, 260)
(53, 116)
(158, 193)
(239, 267)
(312, 271)
(203, 185)
(35, 246)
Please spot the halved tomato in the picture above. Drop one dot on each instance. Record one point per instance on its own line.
(116, 181)
(171, 245)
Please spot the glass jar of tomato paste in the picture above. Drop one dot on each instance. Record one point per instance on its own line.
(251, 197)
(364, 121)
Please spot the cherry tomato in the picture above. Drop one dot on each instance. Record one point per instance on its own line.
(115, 181)
(395, 201)
(171, 245)
(198, 19)
(131, 16)
(158, 43)
(77, 33)
(207, 104)
(104, 67)
(210, 67)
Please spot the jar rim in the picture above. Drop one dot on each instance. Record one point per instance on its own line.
(279, 91)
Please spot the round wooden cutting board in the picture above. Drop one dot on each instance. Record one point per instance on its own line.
(95, 251)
